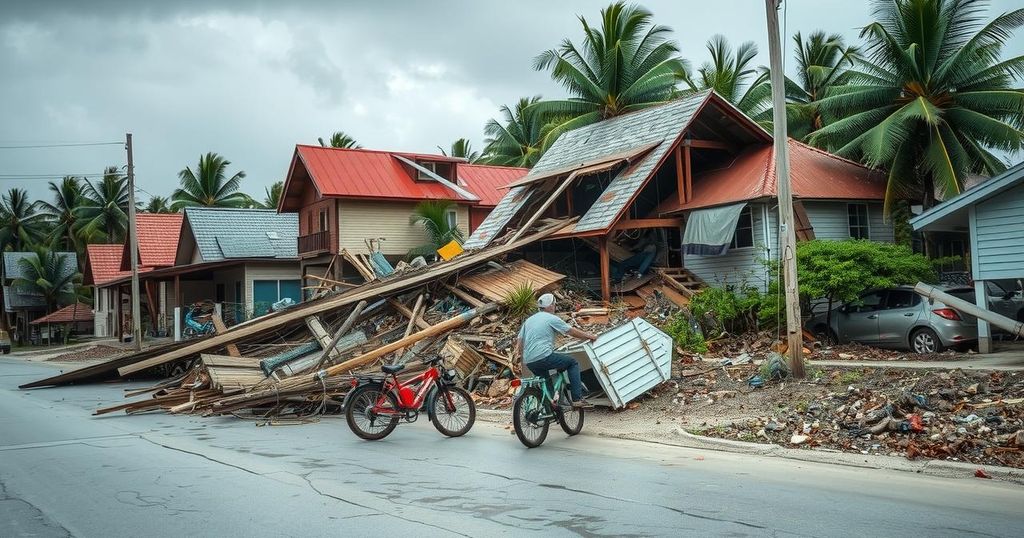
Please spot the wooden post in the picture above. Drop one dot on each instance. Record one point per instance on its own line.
(680, 177)
(346, 326)
(606, 277)
(133, 240)
(787, 228)
(687, 174)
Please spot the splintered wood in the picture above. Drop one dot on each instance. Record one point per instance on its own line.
(497, 284)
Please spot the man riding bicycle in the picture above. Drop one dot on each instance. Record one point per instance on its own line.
(536, 342)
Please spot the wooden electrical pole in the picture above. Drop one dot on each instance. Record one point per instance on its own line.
(133, 242)
(787, 229)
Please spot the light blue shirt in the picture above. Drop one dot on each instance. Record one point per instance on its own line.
(538, 335)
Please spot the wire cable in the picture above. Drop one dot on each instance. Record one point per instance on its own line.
(68, 145)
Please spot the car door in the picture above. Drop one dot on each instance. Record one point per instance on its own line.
(859, 322)
(901, 310)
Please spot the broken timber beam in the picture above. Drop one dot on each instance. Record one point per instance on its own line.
(372, 290)
(218, 324)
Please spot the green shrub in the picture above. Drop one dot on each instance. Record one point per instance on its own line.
(521, 302)
(839, 271)
(734, 312)
(683, 333)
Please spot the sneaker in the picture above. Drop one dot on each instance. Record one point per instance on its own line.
(582, 403)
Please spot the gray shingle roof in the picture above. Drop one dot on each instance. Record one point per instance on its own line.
(656, 125)
(227, 233)
(12, 269)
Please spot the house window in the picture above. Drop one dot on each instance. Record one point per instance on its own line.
(858, 220)
(744, 236)
(451, 217)
(421, 175)
(323, 220)
(268, 292)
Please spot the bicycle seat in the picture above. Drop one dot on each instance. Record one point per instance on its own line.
(392, 368)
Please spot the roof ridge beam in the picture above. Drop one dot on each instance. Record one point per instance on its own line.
(465, 194)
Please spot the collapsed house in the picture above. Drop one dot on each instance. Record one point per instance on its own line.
(687, 187)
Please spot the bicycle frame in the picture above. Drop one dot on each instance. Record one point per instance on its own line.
(426, 381)
(548, 392)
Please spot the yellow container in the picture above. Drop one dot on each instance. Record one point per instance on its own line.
(450, 250)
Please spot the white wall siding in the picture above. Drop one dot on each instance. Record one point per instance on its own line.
(831, 220)
(999, 235)
(743, 266)
(361, 220)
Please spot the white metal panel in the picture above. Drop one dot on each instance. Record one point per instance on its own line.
(629, 360)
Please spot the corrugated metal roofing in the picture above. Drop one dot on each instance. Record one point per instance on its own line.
(814, 174)
(73, 313)
(490, 183)
(158, 240)
(249, 233)
(102, 263)
(498, 218)
(361, 173)
(629, 360)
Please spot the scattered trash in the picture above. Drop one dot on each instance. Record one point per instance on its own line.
(980, 473)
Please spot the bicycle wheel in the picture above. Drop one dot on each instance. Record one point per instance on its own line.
(530, 428)
(452, 411)
(570, 419)
(361, 418)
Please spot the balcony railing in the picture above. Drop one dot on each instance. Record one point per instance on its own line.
(315, 243)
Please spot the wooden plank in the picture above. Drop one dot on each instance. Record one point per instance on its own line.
(321, 335)
(467, 298)
(222, 360)
(404, 310)
(369, 291)
(544, 206)
(218, 324)
(636, 224)
(606, 271)
(497, 284)
(680, 177)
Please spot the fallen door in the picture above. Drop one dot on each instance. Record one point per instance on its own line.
(627, 360)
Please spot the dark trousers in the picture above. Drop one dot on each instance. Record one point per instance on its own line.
(562, 363)
(640, 262)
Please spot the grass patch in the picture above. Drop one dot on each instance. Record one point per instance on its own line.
(850, 377)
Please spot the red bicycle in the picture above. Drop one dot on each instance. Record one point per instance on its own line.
(376, 403)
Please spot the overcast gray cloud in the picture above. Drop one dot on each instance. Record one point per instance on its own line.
(249, 80)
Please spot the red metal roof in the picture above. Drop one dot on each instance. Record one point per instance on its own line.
(74, 313)
(490, 183)
(103, 263)
(158, 240)
(364, 173)
(814, 174)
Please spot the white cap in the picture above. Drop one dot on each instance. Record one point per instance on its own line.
(546, 300)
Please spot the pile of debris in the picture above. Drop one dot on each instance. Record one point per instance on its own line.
(972, 416)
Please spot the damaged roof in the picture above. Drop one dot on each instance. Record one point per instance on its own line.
(489, 182)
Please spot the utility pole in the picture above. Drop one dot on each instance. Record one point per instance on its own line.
(134, 246)
(787, 230)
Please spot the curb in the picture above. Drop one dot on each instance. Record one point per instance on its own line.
(685, 439)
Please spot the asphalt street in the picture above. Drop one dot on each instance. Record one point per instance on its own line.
(64, 472)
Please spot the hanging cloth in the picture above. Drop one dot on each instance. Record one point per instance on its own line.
(709, 231)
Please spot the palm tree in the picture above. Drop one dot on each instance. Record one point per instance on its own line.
(626, 65)
(67, 196)
(462, 149)
(433, 216)
(207, 186)
(822, 62)
(20, 224)
(48, 274)
(273, 195)
(732, 75)
(516, 139)
(159, 204)
(931, 100)
(103, 213)
(340, 140)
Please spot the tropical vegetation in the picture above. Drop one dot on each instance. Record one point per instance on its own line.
(462, 149)
(159, 204)
(432, 216)
(518, 138)
(339, 140)
(48, 274)
(103, 214)
(732, 75)
(208, 185)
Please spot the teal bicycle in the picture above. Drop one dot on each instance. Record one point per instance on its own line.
(541, 401)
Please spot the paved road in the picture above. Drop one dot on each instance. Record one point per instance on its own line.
(65, 473)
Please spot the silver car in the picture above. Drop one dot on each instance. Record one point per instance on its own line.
(899, 318)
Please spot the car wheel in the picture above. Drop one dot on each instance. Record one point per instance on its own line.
(925, 341)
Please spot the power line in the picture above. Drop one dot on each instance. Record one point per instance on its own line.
(68, 145)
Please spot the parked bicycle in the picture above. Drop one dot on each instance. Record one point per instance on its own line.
(195, 328)
(376, 403)
(539, 402)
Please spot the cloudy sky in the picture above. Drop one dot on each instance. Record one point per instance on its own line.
(249, 80)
